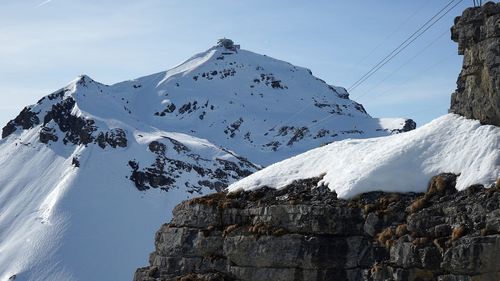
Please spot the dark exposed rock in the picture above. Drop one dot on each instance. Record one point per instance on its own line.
(341, 92)
(188, 107)
(361, 108)
(59, 121)
(270, 80)
(477, 33)
(273, 145)
(154, 176)
(408, 126)
(75, 162)
(48, 134)
(114, 138)
(164, 172)
(304, 232)
(137, 177)
(178, 146)
(231, 166)
(27, 119)
(8, 129)
(298, 134)
(57, 95)
(235, 126)
(77, 130)
(168, 109)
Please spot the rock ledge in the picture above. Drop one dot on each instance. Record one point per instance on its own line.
(306, 233)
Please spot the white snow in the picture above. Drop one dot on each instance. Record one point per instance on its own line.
(397, 163)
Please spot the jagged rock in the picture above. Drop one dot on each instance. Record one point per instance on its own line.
(48, 134)
(409, 125)
(114, 138)
(75, 162)
(165, 171)
(77, 130)
(304, 232)
(27, 119)
(477, 33)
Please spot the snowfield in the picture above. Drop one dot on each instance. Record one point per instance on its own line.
(398, 163)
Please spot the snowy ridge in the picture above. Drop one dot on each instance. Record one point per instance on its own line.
(242, 101)
(399, 163)
(89, 172)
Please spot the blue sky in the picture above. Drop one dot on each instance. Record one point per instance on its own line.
(45, 44)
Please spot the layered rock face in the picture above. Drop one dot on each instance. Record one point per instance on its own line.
(477, 33)
(304, 232)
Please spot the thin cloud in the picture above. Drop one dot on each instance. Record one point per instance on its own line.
(44, 3)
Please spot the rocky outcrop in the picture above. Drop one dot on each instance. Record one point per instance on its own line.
(477, 33)
(114, 137)
(304, 232)
(172, 159)
(59, 120)
(409, 125)
(26, 120)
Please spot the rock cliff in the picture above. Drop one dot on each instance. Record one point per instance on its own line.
(477, 33)
(304, 232)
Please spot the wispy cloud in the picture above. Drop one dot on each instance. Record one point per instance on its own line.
(44, 3)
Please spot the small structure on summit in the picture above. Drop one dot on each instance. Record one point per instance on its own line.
(228, 44)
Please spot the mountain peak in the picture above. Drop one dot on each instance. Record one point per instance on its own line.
(82, 79)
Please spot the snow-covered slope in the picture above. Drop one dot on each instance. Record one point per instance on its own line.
(89, 172)
(71, 212)
(399, 163)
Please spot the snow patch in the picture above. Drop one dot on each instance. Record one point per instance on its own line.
(397, 163)
(189, 65)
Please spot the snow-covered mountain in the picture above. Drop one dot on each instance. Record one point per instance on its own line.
(89, 172)
(265, 109)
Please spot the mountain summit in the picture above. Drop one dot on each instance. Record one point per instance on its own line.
(264, 108)
(89, 172)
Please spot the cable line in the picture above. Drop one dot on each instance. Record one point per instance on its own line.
(437, 63)
(405, 43)
(399, 46)
(413, 77)
(393, 32)
(409, 43)
(405, 63)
